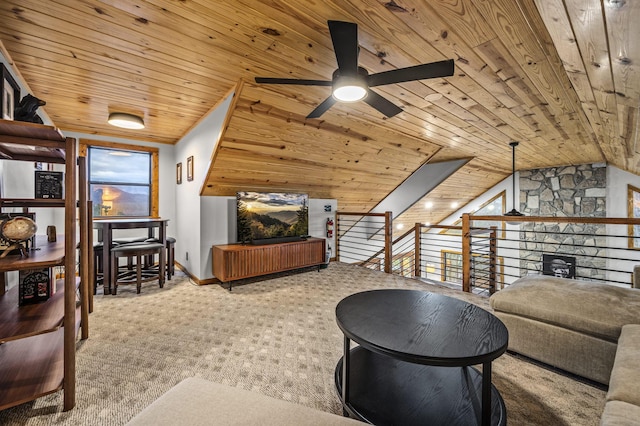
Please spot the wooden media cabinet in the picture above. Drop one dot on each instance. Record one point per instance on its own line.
(233, 262)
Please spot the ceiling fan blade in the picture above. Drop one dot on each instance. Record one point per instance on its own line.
(322, 108)
(382, 104)
(269, 80)
(344, 36)
(418, 72)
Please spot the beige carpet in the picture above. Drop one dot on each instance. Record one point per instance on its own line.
(277, 337)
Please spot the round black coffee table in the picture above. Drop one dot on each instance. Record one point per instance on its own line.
(413, 362)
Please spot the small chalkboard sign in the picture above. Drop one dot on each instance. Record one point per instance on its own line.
(48, 184)
(34, 286)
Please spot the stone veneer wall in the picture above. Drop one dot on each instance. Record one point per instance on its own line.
(564, 191)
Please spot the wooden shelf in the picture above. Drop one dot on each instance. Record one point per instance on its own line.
(31, 142)
(31, 202)
(43, 255)
(17, 322)
(31, 368)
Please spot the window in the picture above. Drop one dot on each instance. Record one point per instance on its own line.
(494, 207)
(123, 179)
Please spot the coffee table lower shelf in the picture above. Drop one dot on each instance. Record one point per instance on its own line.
(385, 391)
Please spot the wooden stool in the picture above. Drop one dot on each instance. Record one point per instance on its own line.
(140, 275)
(97, 265)
(170, 243)
(171, 252)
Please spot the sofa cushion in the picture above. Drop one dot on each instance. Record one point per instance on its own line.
(618, 413)
(595, 309)
(625, 376)
(197, 402)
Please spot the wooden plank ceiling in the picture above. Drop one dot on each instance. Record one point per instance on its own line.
(560, 76)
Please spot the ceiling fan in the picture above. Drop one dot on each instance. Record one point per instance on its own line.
(351, 83)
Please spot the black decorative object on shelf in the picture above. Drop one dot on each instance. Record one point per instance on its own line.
(34, 286)
(9, 94)
(48, 184)
(26, 109)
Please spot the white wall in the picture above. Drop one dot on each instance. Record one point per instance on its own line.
(617, 199)
(318, 221)
(617, 181)
(198, 220)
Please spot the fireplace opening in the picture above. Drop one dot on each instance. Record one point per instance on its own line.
(559, 266)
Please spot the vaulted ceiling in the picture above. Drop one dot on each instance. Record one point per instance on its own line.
(559, 76)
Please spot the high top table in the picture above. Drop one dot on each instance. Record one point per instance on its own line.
(413, 362)
(105, 227)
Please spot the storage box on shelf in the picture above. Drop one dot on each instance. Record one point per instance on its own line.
(37, 341)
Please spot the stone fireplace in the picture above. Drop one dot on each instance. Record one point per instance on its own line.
(578, 191)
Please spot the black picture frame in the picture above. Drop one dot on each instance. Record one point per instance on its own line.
(178, 173)
(48, 184)
(559, 266)
(9, 92)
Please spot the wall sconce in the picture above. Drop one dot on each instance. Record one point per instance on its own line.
(126, 121)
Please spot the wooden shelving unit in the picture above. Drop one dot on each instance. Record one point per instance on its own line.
(38, 342)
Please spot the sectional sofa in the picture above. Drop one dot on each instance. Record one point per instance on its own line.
(585, 328)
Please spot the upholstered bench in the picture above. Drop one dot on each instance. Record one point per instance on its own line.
(570, 324)
(196, 402)
(141, 273)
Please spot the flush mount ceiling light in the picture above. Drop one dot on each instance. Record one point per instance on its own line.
(126, 121)
(513, 211)
(432, 97)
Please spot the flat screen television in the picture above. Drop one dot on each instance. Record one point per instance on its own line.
(269, 217)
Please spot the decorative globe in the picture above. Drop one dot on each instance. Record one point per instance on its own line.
(18, 229)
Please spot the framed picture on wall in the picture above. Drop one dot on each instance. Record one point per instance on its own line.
(190, 168)
(10, 92)
(633, 203)
(179, 173)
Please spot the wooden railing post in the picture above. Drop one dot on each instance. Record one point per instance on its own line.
(417, 263)
(387, 242)
(85, 248)
(493, 250)
(466, 253)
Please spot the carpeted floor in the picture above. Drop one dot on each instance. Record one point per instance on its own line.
(277, 337)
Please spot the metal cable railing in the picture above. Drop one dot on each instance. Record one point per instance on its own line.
(484, 260)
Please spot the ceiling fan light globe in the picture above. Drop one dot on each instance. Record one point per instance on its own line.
(349, 93)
